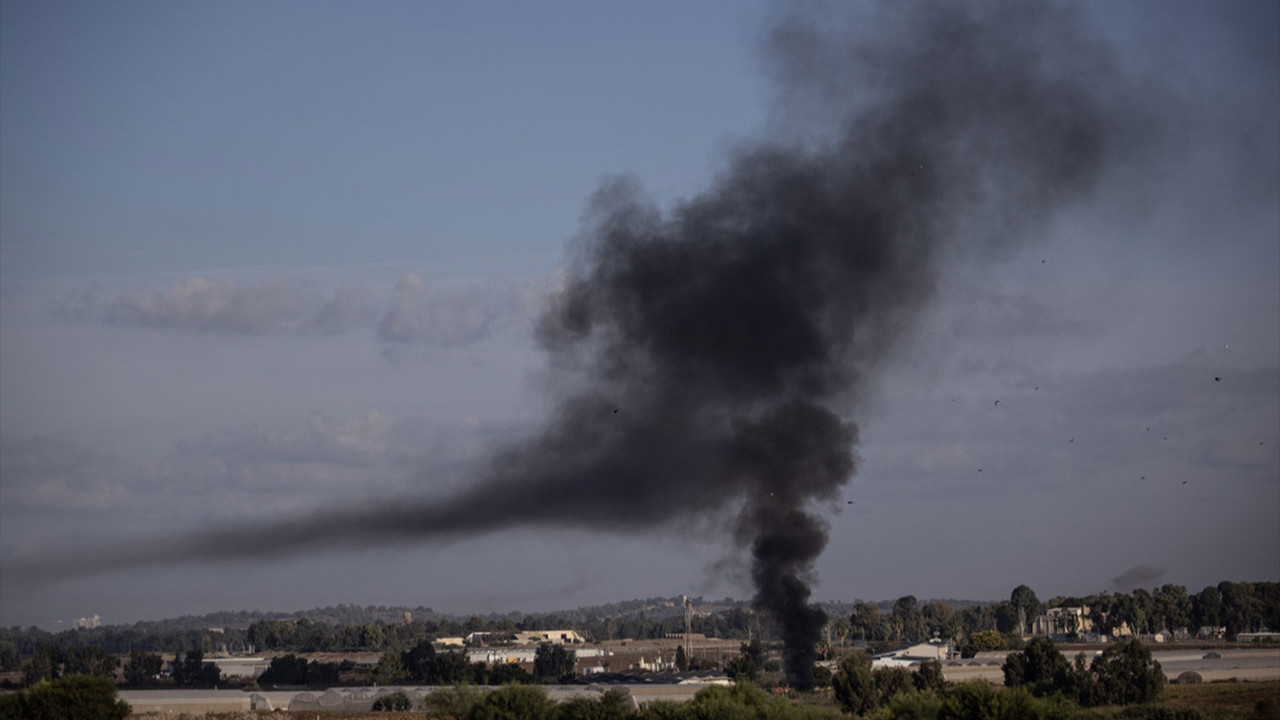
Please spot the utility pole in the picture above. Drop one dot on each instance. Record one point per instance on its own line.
(688, 628)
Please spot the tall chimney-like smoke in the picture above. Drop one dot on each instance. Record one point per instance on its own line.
(716, 353)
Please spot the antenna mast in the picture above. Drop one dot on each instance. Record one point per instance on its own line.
(688, 629)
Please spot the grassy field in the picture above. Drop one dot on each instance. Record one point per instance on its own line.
(1225, 700)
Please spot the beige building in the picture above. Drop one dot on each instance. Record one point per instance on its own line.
(1063, 621)
(559, 637)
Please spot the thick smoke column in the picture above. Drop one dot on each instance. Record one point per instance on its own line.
(711, 357)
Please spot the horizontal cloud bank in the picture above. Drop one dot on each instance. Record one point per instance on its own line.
(447, 314)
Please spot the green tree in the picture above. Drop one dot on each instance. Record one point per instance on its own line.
(908, 623)
(552, 662)
(1027, 605)
(1206, 608)
(1144, 606)
(1125, 674)
(43, 665)
(143, 668)
(741, 669)
(1041, 669)
(749, 662)
(929, 678)
(1238, 607)
(10, 656)
(419, 662)
(193, 671)
(940, 618)
(510, 674)
(984, 641)
(682, 662)
(842, 629)
(889, 682)
(868, 623)
(852, 684)
(284, 670)
(389, 670)
(1006, 617)
(74, 697)
(451, 668)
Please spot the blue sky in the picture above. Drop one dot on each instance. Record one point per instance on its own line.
(257, 259)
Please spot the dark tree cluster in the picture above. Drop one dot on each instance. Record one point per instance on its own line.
(74, 697)
(860, 690)
(1236, 606)
(749, 663)
(293, 670)
(1123, 674)
(51, 662)
(422, 665)
(193, 671)
(552, 663)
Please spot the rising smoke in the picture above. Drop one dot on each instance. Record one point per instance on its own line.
(712, 357)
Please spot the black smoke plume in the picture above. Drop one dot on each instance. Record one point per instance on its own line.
(712, 356)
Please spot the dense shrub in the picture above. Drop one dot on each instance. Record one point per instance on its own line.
(910, 706)
(611, 705)
(1154, 712)
(514, 702)
(1124, 675)
(395, 701)
(452, 702)
(980, 701)
(74, 697)
(1041, 669)
(929, 677)
(852, 684)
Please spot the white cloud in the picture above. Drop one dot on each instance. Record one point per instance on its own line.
(348, 308)
(205, 306)
(449, 316)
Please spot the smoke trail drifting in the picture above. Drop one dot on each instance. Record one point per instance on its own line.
(717, 351)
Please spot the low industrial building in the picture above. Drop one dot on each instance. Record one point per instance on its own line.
(559, 637)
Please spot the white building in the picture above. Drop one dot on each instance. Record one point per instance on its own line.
(559, 637)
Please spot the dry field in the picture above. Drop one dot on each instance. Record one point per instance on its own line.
(1216, 701)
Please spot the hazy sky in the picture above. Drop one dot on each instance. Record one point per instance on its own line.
(262, 259)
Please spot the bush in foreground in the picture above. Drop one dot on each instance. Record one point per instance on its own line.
(74, 697)
(396, 701)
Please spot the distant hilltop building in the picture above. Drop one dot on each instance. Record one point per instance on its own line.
(89, 622)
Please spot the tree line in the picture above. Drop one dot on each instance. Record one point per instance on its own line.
(1236, 606)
